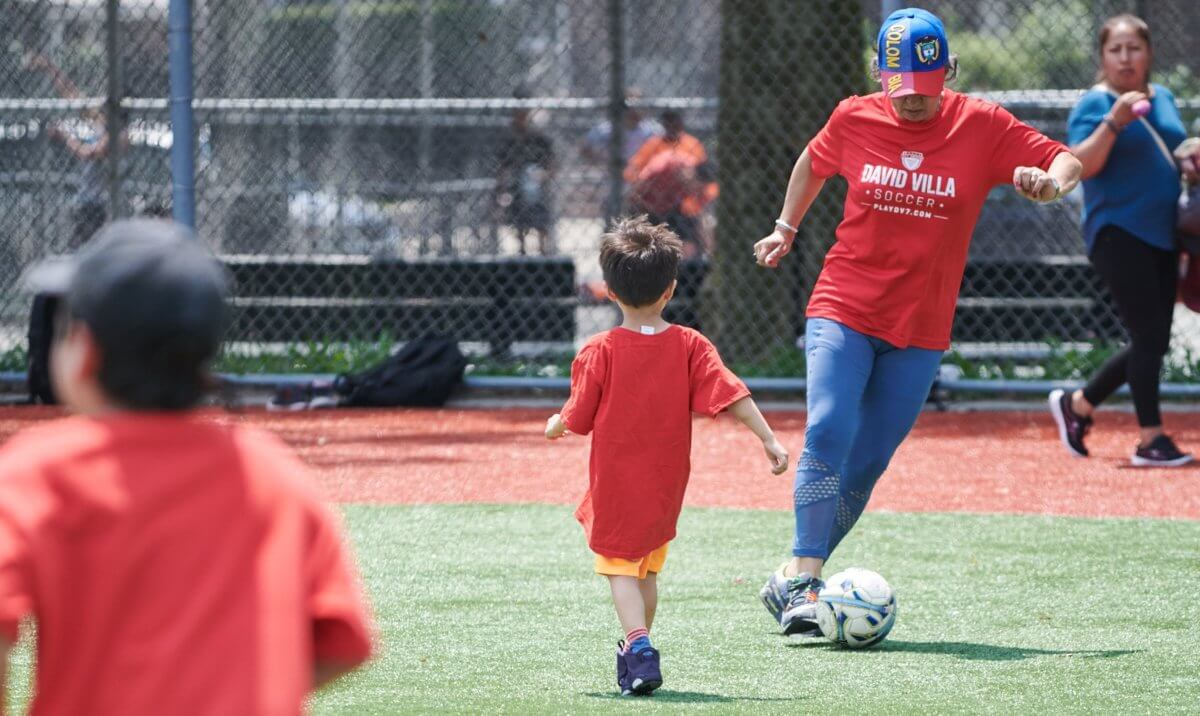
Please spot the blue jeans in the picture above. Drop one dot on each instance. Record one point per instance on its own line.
(863, 397)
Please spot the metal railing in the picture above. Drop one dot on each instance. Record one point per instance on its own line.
(412, 131)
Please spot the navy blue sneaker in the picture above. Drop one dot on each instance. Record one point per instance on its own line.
(622, 670)
(800, 616)
(1161, 452)
(774, 594)
(1072, 428)
(644, 673)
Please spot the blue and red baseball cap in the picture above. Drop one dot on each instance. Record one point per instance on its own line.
(913, 52)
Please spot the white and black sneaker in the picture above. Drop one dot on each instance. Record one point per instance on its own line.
(1161, 452)
(1072, 427)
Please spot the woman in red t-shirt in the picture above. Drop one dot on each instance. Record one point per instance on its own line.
(919, 161)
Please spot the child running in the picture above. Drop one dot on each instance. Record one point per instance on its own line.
(636, 387)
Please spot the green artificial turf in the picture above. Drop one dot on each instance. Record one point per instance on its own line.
(489, 609)
(494, 609)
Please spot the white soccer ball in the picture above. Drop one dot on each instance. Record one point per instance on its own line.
(856, 609)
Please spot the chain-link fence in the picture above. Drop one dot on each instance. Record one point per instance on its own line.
(390, 168)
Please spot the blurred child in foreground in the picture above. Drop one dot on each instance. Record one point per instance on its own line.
(173, 563)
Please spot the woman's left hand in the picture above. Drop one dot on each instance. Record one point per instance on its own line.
(1035, 184)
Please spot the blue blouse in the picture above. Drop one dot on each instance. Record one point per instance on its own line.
(1138, 188)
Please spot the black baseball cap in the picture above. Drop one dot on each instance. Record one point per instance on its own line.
(151, 294)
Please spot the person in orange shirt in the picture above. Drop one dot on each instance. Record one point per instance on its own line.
(173, 563)
(635, 388)
(670, 181)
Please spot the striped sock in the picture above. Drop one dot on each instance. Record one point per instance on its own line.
(638, 641)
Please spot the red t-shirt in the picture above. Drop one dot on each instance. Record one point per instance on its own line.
(173, 565)
(637, 393)
(915, 193)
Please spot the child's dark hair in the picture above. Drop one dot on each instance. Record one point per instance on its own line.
(173, 375)
(639, 260)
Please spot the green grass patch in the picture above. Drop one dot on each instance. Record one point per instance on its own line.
(1061, 362)
(310, 357)
(781, 362)
(354, 356)
(494, 609)
(15, 359)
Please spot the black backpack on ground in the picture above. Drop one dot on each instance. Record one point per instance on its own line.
(422, 374)
(41, 336)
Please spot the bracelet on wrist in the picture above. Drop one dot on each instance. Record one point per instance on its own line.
(781, 224)
(1112, 125)
(1057, 191)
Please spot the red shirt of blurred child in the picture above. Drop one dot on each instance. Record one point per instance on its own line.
(636, 393)
(173, 565)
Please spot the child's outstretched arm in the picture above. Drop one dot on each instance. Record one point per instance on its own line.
(578, 414)
(748, 413)
(556, 427)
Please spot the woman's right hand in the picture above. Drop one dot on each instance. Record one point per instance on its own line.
(768, 251)
(1122, 111)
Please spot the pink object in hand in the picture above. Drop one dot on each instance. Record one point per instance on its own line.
(1141, 107)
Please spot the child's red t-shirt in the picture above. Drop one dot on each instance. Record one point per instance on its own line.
(174, 565)
(636, 393)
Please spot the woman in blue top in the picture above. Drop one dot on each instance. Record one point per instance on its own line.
(1131, 186)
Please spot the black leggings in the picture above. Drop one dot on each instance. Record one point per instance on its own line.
(1143, 281)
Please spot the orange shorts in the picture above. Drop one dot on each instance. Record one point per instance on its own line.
(617, 567)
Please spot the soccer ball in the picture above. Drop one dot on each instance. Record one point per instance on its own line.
(856, 609)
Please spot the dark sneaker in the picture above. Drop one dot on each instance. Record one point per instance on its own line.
(622, 670)
(644, 673)
(1071, 427)
(1161, 452)
(774, 594)
(800, 616)
(306, 396)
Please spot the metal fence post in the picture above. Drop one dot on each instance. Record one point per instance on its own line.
(183, 155)
(113, 123)
(616, 111)
(372, 132)
(887, 7)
